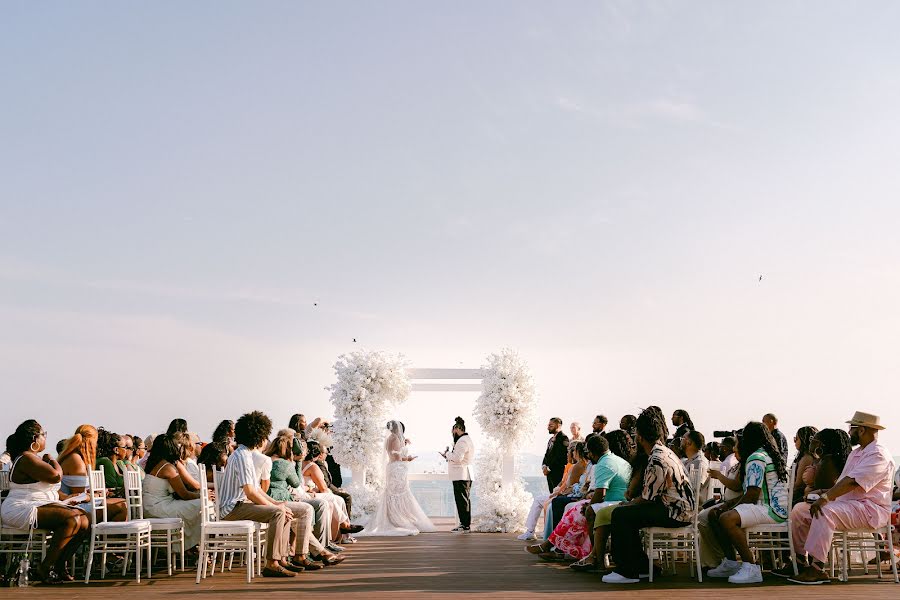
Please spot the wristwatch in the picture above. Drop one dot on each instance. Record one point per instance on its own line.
(825, 497)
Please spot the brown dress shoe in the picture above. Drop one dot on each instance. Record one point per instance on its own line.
(277, 571)
(307, 564)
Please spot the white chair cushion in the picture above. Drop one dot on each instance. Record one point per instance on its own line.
(122, 527)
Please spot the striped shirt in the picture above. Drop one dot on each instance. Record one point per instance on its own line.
(239, 471)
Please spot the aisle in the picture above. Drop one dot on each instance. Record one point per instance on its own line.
(438, 565)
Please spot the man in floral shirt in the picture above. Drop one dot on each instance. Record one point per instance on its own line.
(666, 500)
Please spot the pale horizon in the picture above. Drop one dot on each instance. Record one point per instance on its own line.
(203, 205)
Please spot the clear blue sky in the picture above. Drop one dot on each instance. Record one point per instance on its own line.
(598, 185)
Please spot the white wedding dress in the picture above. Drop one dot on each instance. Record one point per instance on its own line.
(398, 513)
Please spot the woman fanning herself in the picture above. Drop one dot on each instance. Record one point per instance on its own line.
(34, 501)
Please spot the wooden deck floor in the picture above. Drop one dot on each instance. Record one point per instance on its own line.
(441, 564)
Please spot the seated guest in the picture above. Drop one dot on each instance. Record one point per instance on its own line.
(139, 451)
(328, 473)
(110, 453)
(691, 445)
(802, 461)
(830, 449)
(127, 463)
(33, 501)
(764, 502)
(314, 479)
(729, 474)
(711, 451)
(290, 523)
(165, 495)
(298, 424)
(286, 486)
(240, 497)
(177, 426)
(612, 472)
(861, 499)
(556, 507)
(682, 421)
(771, 421)
(666, 500)
(213, 456)
(79, 454)
(148, 444)
(626, 424)
(224, 434)
(540, 501)
(188, 469)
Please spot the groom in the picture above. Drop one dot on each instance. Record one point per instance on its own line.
(458, 468)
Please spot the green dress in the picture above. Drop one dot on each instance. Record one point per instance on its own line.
(284, 477)
(114, 480)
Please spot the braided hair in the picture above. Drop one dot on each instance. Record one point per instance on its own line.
(686, 417)
(757, 436)
(620, 444)
(836, 444)
(805, 435)
(656, 414)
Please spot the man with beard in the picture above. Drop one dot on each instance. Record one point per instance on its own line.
(556, 456)
(458, 468)
(599, 425)
(861, 499)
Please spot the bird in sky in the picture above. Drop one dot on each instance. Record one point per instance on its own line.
(760, 277)
(354, 340)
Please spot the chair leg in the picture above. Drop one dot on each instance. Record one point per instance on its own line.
(249, 558)
(137, 557)
(90, 561)
(650, 557)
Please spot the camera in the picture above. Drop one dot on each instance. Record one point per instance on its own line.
(735, 433)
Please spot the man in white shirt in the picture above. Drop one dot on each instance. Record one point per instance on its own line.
(459, 462)
(711, 553)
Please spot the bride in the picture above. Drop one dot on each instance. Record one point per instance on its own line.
(398, 513)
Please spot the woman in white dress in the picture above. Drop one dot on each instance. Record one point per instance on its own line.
(315, 484)
(164, 493)
(34, 502)
(398, 513)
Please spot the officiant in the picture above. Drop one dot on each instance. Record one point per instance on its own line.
(459, 468)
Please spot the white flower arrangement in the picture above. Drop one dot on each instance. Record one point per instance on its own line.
(369, 384)
(506, 412)
(500, 507)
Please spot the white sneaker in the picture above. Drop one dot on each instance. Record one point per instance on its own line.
(616, 578)
(749, 573)
(726, 568)
(527, 536)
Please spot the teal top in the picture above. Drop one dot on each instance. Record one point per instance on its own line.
(284, 477)
(612, 473)
(113, 478)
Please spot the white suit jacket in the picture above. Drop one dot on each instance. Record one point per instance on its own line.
(460, 459)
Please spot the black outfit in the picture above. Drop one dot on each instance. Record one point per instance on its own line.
(334, 470)
(348, 499)
(625, 532)
(682, 431)
(782, 443)
(461, 493)
(555, 458)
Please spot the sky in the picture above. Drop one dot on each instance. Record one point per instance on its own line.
(202, 205)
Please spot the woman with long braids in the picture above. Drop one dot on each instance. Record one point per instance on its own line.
(764, 502)
(34, 501)
(804, 459)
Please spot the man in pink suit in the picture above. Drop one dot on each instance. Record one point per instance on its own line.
(861, 499)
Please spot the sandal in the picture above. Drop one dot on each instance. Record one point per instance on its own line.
(585, 564)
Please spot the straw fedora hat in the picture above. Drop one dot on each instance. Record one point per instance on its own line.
(862, 419)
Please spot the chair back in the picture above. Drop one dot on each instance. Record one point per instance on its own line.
(217, 484)
(4, 481)
(134, 498)
(695, 476)
(207, 508)
(97, 495)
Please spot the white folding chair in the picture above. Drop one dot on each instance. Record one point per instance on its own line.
(673, 540)
(776, 537)
(222, 536)
(112, 537)
(165, 533)
(16, 541)
(861, 541)
(262, 530)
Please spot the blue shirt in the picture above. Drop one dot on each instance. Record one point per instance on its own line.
(239, 471)
(612, 473)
